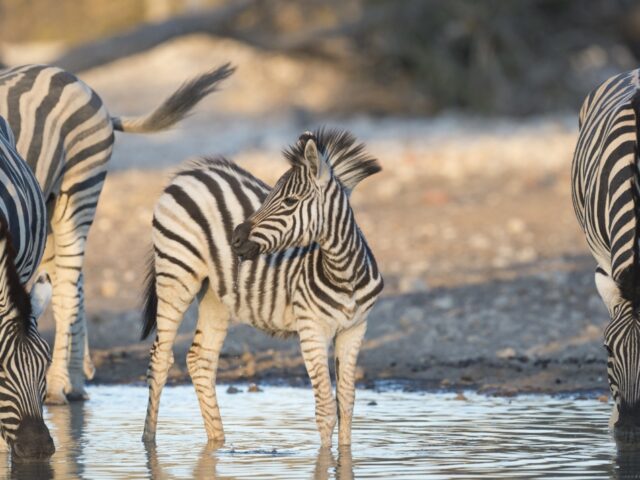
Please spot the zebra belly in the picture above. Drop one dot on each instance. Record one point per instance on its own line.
(278, 321)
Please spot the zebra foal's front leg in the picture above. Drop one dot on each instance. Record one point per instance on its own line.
(314, 344)
(347, 347)
(202, 361)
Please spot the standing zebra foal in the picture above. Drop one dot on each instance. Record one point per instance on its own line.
(24, 355)
(606, 199)
(297, 263)
(66, 135)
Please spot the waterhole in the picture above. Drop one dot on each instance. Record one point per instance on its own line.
(272, 434)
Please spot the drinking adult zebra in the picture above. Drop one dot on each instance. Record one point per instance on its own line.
(24, 355)
(65, 134)
(304, 268)
(605, 192)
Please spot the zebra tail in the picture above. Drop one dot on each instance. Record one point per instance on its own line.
(150, 310)
(177, 106)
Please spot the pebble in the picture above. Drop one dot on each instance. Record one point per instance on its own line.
(506, 353)
(253, 388)
(109, 288)
(603, 398)
(372, 403)
(444, 303)
(233, 389)
(460, 396)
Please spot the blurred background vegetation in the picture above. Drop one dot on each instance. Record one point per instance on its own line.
(490, 56)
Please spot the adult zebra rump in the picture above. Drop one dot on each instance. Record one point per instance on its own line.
(65, 134)
(24, 355)
(605, 182)
(304, 268)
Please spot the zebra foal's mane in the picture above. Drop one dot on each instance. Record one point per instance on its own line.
(349, 161)
(17, 293)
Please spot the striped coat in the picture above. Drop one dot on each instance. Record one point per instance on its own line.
(22, 209)
(605, 188)
(66, 135)
(296, 263)
(24, 355)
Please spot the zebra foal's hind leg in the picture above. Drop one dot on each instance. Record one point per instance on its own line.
(174, 297)
(347, 347)
(314, 344)
(202, 360)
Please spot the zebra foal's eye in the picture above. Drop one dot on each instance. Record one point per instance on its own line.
(608, 349)
(290, 201)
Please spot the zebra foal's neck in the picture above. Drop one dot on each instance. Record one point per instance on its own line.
(344, 253)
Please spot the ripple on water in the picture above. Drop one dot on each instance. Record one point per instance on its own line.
(272, 434)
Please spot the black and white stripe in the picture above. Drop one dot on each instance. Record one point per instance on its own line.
(605, 188)
(296, 263)
(24, 355)
(66, 135)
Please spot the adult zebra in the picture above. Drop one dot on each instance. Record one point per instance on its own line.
(65, 134)
(307, 270)
(605, 189)
(24, 355)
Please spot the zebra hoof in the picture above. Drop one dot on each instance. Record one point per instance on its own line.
(56, 399)
(77, 396)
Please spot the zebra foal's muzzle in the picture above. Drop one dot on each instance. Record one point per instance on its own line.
(240, 243)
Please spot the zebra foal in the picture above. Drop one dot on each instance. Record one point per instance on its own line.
(296, 263)
(24, 355)
(65, 133)
(606, 199)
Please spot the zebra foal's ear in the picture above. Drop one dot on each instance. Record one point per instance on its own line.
(40, 295)
(316, 162)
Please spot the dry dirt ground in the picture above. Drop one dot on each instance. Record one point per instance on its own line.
(488, 281)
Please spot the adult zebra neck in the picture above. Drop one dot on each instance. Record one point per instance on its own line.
(344, 253)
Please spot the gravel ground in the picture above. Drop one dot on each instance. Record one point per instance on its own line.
(488, 281)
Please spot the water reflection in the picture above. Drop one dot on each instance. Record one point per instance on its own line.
(272, 435)
(627, 462)
(68, 424)
(325, 462)
(205, 468)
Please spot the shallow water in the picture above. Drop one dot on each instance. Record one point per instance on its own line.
(272, 434)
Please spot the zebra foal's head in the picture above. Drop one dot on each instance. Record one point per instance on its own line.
(622, 343)
(310, 198)
(24, 358)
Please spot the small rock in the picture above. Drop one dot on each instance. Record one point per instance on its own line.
(253, 388)
(516, 226)
(444, 303)
(445, 382)
(506, 353)
(109, 289)
(233, 389)
(460, 396)
(436, 197)
(372, 403)
(603, 398)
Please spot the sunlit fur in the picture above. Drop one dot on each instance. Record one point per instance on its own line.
(24, 355)
(605, 183)
(316, 276)
(65, 133)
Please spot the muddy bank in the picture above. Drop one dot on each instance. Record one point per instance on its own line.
(488, 283)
